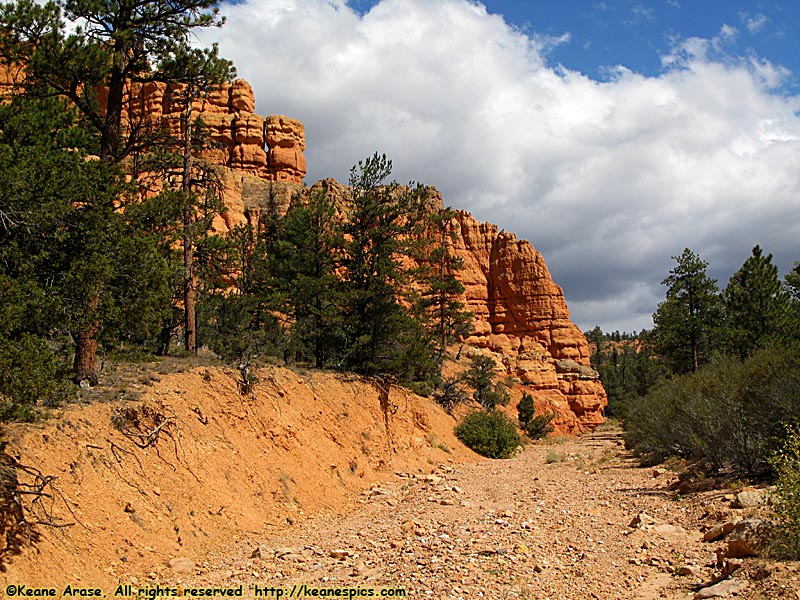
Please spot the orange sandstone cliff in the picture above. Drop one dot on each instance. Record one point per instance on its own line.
(522, 320)
(271, 148)
(520, 315)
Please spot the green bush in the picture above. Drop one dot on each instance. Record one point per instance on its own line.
(525, 409)
(786, 497)
(491, 434)
(729, 413)
(535, 427)
(29, 377)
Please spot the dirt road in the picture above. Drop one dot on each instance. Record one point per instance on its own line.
(554, 522)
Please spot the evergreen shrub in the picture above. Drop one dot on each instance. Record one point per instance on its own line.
(491, 434)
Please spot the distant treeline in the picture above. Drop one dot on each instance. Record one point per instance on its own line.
(718, 376)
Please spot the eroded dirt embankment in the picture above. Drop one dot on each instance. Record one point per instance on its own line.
(194, 465)
(323, 480)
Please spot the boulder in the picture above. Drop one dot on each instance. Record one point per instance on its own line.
(750, 537)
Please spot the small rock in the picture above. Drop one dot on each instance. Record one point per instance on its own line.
(750, 499)
(642, 520)
(729, 567)
(667, 530)
(658, 472)
(408, 527)
(723, 588)
(688, 571)
(359, 569)
(182, 565)
(340, 554)
(128, 508)
(521, 548)
(446, 502)
(748, 538)
(718, 531)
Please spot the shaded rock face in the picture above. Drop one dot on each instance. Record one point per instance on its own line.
(271, 148)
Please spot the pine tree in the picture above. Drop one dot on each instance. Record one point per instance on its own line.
(303, 263)
(442, 290)
(756, 306)
(61, 237)
(686, 322)
(380, 234)
(115, 44)
(193, 73)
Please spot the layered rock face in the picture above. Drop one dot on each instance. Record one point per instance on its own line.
(522, 320)
(271, 148)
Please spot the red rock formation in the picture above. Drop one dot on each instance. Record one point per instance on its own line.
(521, 318)
(240, 138)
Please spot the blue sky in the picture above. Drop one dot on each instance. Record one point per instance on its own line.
(638, 33)
(611, 134)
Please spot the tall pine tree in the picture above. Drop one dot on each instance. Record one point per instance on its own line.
(113, 45)
(756, 306)
(686, 322)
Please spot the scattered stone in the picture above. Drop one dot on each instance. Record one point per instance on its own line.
(750, 499)
(431, 478)
(359, 569)
(666, 530)
(723, 588)
(340, 554)
(641, 521)
(729, 567)
(262, 552)
(521, 548)
(182, 565)
(719, 531)
(688, 571)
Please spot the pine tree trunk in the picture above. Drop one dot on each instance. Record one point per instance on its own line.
(188, 282)
(188, 242)
(86, 344)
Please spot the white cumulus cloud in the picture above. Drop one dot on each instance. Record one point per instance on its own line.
(609, 179)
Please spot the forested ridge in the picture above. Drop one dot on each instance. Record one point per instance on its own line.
(93, 260)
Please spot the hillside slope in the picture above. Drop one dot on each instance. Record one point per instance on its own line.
(217, 467)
